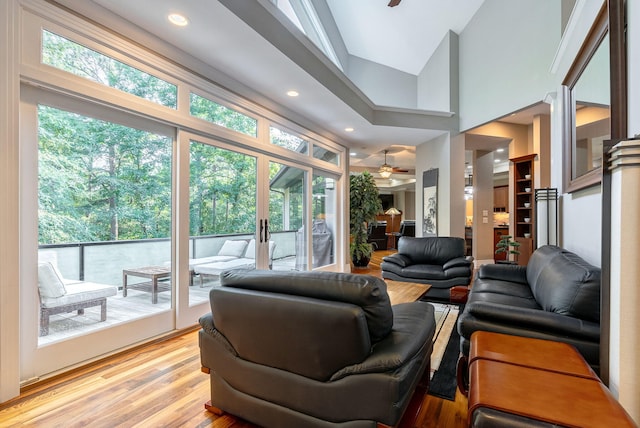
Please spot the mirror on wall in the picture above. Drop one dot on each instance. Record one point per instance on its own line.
(587, 107)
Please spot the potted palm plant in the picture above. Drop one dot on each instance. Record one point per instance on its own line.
(363, 207)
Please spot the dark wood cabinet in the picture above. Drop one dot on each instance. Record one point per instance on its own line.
(523, 196)
(501, 199)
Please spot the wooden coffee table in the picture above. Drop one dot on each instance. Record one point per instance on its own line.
(405, 292)
(154, 273)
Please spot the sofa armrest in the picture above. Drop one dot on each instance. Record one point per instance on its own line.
(532, 319)
(411, 337)
(457, 262)
(399, 259)
(513, 273)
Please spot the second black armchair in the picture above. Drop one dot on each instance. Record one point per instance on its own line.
(438, 261)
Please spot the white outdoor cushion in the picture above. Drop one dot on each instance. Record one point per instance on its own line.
(50, 283)
(250, 253)
(218, 268)
(251, 250)
(81, 292)
(211, 259)
(233, 248)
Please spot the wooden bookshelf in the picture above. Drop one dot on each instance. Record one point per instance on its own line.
(523, 197)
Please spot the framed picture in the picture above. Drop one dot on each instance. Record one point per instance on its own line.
(430, 202)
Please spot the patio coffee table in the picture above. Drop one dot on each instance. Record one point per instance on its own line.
(154, 273)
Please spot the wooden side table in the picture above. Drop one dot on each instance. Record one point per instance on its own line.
(154, 273)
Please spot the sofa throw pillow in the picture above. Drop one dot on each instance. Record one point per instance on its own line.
(233, 248)
(49, 282)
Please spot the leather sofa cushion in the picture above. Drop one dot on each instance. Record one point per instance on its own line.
(500, 301)
(431, 251)
(568, 285)
(365, 291)
(509, 288)
(422, 271)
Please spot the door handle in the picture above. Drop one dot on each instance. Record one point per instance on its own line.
(267, 235)
(261, 229)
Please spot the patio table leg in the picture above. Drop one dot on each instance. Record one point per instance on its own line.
(154, 290)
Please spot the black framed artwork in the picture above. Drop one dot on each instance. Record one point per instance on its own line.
(430, 202)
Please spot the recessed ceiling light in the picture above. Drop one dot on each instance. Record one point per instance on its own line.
(293, 93)
(353, 153)
(500, 150)
(177, 19)
(496, 160)
(349, 129)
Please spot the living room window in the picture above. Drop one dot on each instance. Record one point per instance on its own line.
(70, 56)
(226, 117)
(287, 140)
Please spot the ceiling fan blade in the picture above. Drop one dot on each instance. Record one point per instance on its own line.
(400, 170)
(393, 3)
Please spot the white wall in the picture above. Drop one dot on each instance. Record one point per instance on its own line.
(505, 54)
(438, 80)
(447, 154)
(384, 86)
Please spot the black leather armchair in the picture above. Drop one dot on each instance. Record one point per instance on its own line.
(377, 235)
(555, 297)
(438, 261)
(313, 349)
(407, 228)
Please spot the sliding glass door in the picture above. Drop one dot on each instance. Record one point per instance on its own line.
(222, 214)
(101, 251)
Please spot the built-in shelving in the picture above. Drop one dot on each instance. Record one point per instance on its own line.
(523, 196)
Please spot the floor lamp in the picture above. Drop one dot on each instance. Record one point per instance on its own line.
(392, 212)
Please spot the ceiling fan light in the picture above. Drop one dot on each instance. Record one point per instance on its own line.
(385, 171)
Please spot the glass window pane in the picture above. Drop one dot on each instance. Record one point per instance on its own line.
(324, 217)
(213, 112)
(287, 202)
(222, 206)
(104, 207)
(326, 155)
(66, 55)
(288, 141)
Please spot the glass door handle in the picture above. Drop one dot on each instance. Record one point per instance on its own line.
(261, 229)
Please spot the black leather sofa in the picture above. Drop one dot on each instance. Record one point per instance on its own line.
(377, 236)
(555, 297)
(313, 349)
(438, 261)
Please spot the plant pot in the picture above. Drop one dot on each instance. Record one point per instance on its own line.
(361, 262)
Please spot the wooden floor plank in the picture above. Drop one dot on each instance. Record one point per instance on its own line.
(159, 385)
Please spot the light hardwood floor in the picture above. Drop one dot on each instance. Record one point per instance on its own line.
(158, 385)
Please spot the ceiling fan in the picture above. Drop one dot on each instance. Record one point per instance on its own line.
(393, 3)
(386, 170)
